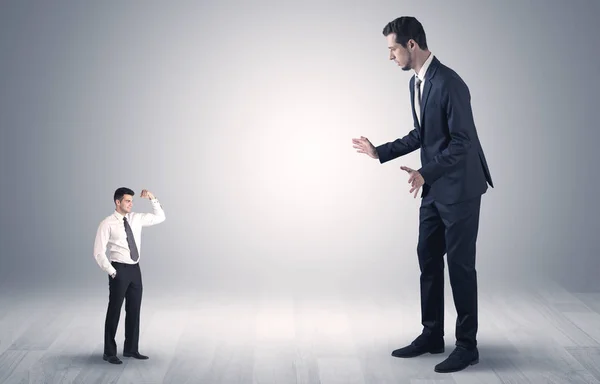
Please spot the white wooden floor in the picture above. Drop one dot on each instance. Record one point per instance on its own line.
(543, 335)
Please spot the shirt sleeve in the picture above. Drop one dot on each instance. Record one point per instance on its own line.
(102, 236)
(156, 217)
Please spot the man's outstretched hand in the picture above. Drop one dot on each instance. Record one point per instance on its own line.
(363, 145)
(415, 180)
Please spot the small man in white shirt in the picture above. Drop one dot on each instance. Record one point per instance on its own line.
(117, 251)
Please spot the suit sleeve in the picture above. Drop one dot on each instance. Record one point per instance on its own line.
(402, 146)
(399, 147)
(456, 100)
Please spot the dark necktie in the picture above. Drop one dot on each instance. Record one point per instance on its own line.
(131, 241)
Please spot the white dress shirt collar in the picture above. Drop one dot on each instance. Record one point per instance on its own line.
(423, 71)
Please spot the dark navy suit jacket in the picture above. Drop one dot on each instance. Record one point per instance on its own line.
(453, 163)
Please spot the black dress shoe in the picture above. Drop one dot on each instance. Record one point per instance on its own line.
(458, 360)
(135, 355)
(420, 346)
(111, 359)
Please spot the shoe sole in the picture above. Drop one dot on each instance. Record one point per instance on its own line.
(135, 357)
(433, 352)
(457, 370)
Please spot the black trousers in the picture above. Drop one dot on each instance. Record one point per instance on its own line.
(451, 230)
(127, 285)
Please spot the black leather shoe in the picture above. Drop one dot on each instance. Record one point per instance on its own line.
(135, 355)
(111, 359)
(420, 346)
(458, 360)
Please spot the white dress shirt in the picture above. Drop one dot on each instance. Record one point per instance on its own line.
(421, 76)
(111, 236)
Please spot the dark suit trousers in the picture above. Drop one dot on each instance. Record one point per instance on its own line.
(451, 230)
(127, 285)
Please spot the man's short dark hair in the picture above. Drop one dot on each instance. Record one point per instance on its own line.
(406, 28)
(120, 192)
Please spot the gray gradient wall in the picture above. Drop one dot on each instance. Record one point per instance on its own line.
(239, 117)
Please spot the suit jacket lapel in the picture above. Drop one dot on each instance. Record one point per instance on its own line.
(428, 76)
(426, 90)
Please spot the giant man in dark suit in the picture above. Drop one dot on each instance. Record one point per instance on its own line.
(454, 175)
